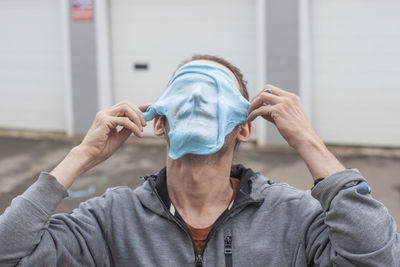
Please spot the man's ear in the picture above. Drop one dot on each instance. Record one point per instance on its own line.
(158, 126)
(244, 132)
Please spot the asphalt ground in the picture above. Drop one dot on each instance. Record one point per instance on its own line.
(21, 161)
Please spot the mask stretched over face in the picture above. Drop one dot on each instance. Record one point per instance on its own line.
(202, 105)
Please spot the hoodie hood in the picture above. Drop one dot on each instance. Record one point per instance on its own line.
(154, 194)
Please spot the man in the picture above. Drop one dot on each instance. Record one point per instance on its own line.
(200, 210)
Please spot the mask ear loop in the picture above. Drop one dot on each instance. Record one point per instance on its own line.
(268, 91)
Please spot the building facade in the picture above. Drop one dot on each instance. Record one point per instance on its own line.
(62, 61)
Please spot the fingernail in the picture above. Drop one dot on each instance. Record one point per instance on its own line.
(268, 90)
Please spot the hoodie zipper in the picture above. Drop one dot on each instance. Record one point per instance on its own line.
(227, 244)
(199, 257)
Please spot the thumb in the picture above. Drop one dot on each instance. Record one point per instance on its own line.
(143, 107)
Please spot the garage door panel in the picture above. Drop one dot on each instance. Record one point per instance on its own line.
(356, 70)
(195, 9)
(366, 54)
(349, 9)
(360, 28)
(163, 34)
(339, 132)
(191, 47)
(31, 70)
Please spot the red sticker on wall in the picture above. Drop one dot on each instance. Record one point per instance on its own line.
(82, 10)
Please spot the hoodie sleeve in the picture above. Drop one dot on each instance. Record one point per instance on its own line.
(30, 236)
(353, 229)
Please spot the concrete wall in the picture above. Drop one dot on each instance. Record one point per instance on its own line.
(282, 52)
(83, 72)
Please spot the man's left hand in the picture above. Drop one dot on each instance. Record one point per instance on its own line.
(283, 109)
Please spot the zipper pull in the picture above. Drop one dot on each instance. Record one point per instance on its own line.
(199, 260)
(228, 245)
(228, 250)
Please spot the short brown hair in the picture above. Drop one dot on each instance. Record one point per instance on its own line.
(235, 70)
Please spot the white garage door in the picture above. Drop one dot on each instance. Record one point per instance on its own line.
(31, 74)
(159, 34)
(356, 71)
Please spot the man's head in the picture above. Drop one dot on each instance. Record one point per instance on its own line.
(241, 132)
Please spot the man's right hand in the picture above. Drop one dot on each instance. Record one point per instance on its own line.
(102, 140)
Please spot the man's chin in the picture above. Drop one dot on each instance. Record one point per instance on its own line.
(200, 160)
(207, 160)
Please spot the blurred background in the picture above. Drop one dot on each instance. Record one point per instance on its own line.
(61, 61)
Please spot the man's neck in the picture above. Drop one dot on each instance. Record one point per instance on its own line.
(200, 188)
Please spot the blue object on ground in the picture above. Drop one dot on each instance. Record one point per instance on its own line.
(84, 193)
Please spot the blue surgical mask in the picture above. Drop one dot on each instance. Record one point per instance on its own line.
(202, 105)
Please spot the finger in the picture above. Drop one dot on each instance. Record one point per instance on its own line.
(266, 89)
(144, 107)
(138, 112)
(276, 90)
(125, 102)
(272, 90)
(261, 111)
(127, 123)
(262, 99)
(139, 109)
(259, 93)
(119, 104)
(127, 111)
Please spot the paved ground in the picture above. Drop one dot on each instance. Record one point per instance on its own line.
(22, 159)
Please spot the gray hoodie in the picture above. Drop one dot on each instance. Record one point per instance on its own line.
(338, 223)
